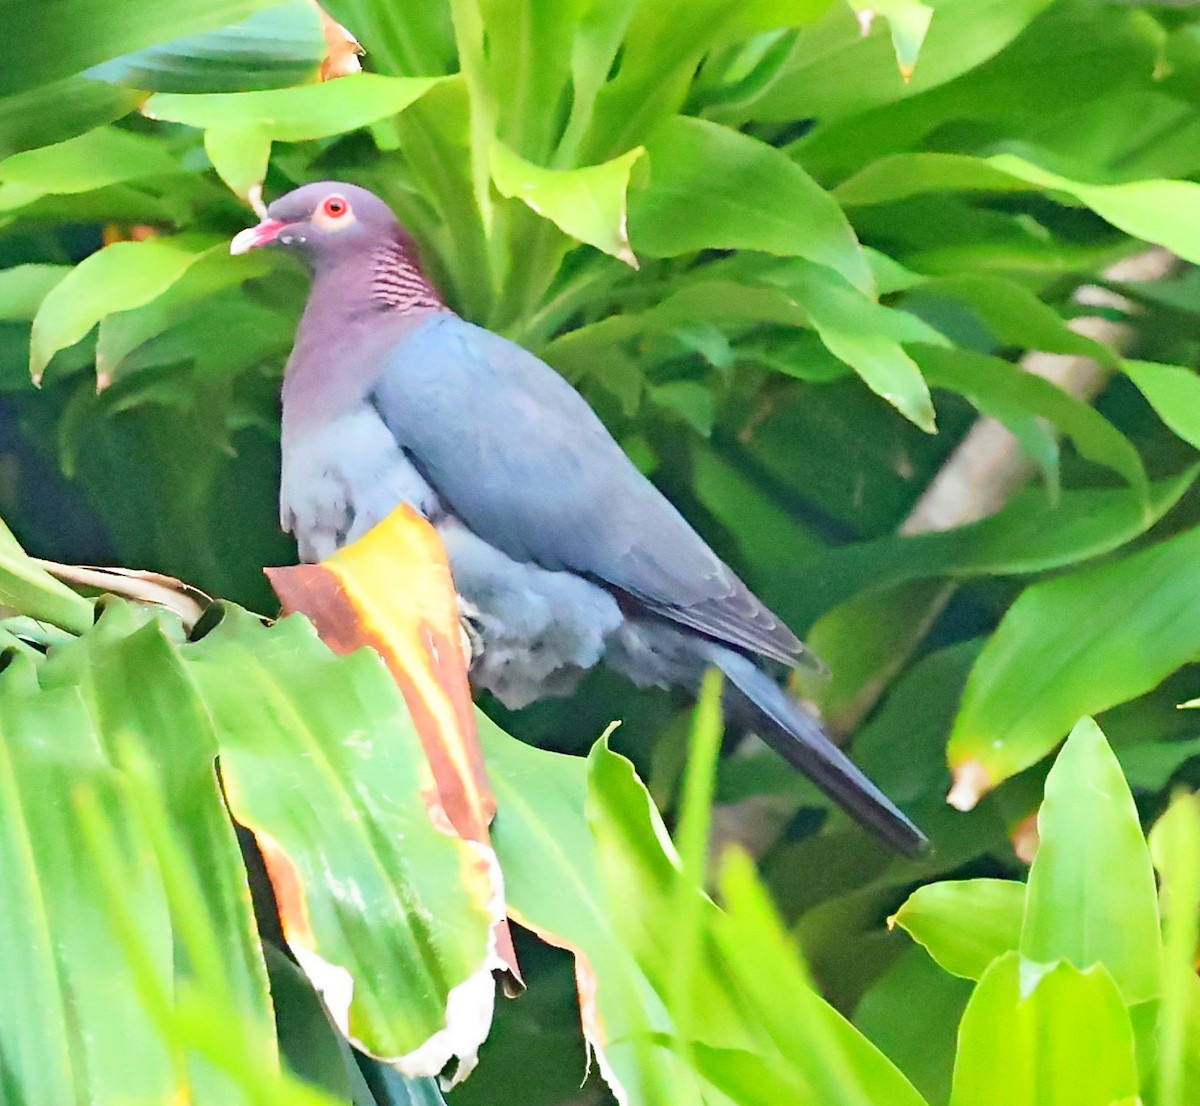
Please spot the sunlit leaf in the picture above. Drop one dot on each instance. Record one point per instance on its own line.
(280, 46)
(1161, 211)
(965, 924)
(297, 114)
(1076, 645)
(118, 278)
(1175, 848)
(1173, 391)
(27, 588)
(751, 196)
(1065, 1037)
(65, 38)
(1091, 893)
(587, 203)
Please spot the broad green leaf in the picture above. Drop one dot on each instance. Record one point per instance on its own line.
(757, 16)
(868, 337)
(992, 379)
(722, 974)
(1175, 849)
(1160, 211)
(59, 111)
(23, 287)
(834, 72)
(382, 884)
(1173, 391)
(965, 924)
(918, 1037)
(119, 277)
(1091, 888)
(838, 1064)
(240, 155)
(60, 39)
(28, 589)
(1016, 316)
(280, 46)
(554, 887)
(586, 203)
(1074, 645)
(1064, 1038)
(123, 332)
(297, 114)
(1033, 533)
(713, 188)
(1163, 211)
(903, 175)
(94, 160)
(155, 729)
(71, 1040)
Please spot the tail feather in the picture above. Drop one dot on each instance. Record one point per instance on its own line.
(801, 741)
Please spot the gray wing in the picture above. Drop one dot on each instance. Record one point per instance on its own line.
(517, 454)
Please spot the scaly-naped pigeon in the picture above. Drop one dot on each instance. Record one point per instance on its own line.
(564, 554)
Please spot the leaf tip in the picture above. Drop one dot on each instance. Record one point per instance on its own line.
(971, 783)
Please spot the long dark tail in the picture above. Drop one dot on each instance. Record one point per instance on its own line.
(799, 739)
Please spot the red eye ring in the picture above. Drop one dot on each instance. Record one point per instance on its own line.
(335, 207)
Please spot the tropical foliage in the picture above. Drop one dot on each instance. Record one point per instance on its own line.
(895, 300)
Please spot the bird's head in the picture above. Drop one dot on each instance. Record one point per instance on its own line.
(324, 221)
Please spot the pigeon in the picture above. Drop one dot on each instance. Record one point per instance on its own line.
(564, 554)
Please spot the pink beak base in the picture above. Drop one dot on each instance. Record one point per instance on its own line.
(253, 237)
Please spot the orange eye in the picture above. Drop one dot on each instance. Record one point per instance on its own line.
(335, 207)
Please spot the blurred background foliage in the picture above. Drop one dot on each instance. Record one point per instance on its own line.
(911, 337)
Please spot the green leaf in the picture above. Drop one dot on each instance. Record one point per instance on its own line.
(993, 380)
(1161, 211)
(28, 589)
(587, 203)
(67, 37)
(900, 176)
(908, 21)
(919, 1037)
(281, 46)
(122, 333)
(94, 160)
(1064, 1038)
(867, 336)
(965, 924)
(713, 188)
(1016, 317)
(59, 111)
(23, 287)
(835, 72)
(155, 728)
(307, 737)
(1175, 848)
(1033, 533)
(838, 1064)
(119, 277)
(297, 114)
(1173, 392)
(60, 945)
(554, 886)
(1076, 645)
(1091, 888)
(240, 155)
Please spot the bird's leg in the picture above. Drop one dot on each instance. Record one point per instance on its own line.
(470, 626)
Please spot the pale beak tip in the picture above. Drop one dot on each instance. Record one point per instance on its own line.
(244, 241)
